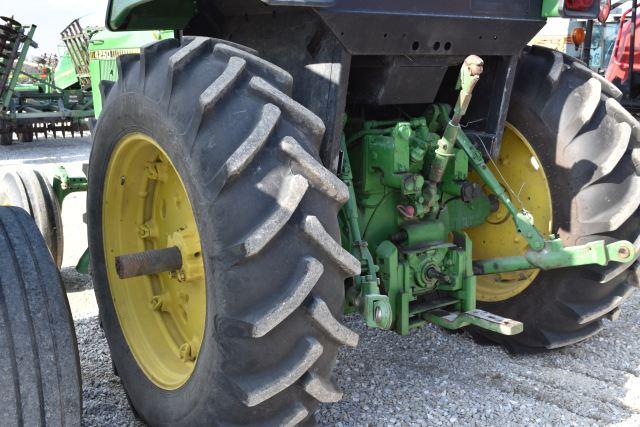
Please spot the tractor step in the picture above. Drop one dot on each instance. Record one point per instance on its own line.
(479, 318)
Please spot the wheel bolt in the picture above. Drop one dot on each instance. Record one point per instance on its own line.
(152, 172)
(181, 276)
(143, 231)
(185, 353)
(156, 303)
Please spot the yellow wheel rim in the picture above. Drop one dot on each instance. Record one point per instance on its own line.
(497, 237)
(146, 207)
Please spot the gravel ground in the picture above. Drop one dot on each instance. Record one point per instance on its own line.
(428, 378)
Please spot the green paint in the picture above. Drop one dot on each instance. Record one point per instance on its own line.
(410, 196)
(550, 8)
(105, 46)
(65, 73)
(384, 168)
(149, 14)
(84, 263)
(9, 90)
(410, 203)
(555, 255)
(367, 297)
(63, 185)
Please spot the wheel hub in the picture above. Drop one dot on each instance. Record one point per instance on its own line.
(146, 207)
(521, 173)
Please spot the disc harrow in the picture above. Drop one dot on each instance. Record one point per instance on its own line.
(39, 108)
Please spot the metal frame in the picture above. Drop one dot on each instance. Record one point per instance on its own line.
(34, 112)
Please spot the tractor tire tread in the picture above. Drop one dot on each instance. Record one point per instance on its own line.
(40, 374)
(275, 150)
(592, 163)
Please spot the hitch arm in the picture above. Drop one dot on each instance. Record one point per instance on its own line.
(373, 305)
(542, 254)
(522, 219)
(554, 255)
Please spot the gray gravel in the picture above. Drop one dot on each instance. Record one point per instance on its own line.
(428, 378)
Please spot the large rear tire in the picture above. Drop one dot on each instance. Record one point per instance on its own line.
(590, 152)
(220, 120)
(39, 365)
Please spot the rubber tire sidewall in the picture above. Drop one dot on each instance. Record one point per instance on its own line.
(179, 404)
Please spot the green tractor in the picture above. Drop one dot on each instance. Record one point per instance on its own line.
(275, 164)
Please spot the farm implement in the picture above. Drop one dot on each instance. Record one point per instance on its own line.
(40, 107)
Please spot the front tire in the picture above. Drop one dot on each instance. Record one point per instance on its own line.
(589, 148)
(39, 364)
(28, 189)
(266, 214)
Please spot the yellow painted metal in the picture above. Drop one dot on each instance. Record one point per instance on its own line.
(146, 207)
(528, 187)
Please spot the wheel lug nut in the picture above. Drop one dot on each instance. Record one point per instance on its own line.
(186, 354)
(156, 303)
(152, 172)
(144, 231)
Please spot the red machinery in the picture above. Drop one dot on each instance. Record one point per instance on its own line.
(618, 70)
(625, 57)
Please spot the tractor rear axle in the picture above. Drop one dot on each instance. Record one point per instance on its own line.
(148, 262)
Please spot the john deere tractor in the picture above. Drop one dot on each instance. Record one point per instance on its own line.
(278, 163)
